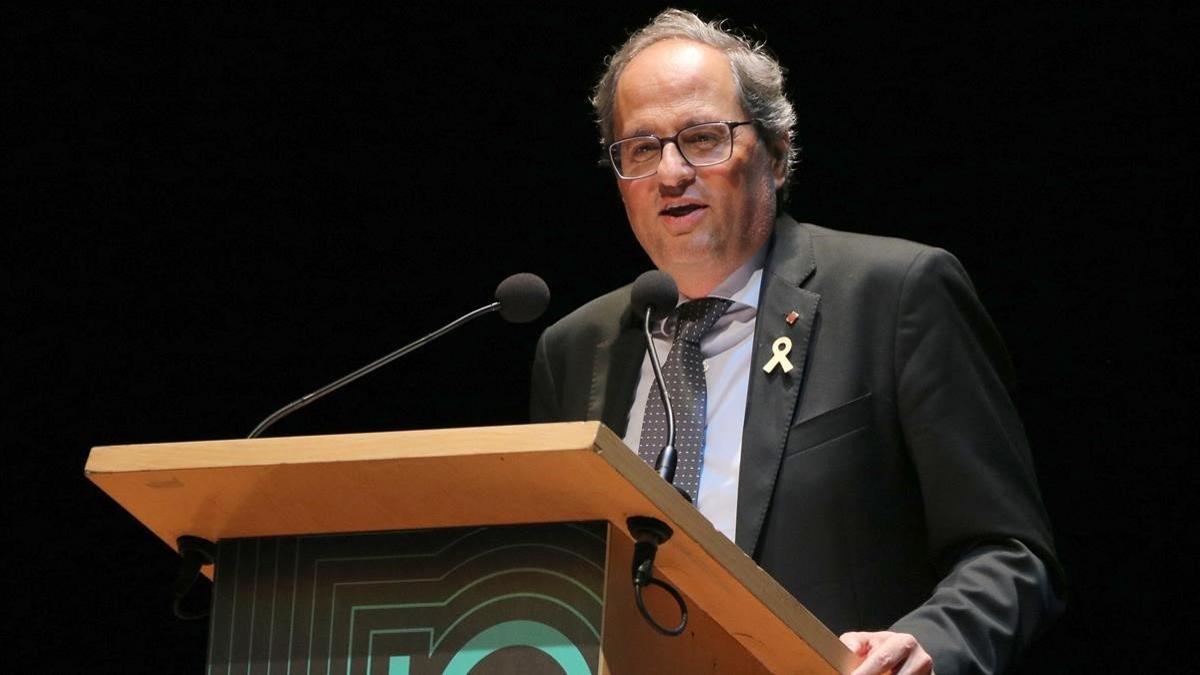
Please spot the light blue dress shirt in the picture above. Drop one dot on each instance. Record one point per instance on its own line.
(727, 351)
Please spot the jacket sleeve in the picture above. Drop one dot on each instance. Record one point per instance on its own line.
(988, 534)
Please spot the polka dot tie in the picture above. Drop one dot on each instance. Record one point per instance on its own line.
(684, 376)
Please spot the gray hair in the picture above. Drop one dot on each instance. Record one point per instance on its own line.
(756, 74)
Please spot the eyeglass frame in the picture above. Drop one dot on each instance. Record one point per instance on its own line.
(662, 144)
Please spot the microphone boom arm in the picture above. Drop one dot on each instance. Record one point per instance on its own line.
(370, 367)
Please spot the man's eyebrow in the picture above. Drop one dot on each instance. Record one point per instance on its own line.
(640, 131)
(688, 122)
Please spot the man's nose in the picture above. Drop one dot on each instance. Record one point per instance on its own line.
(673, 169)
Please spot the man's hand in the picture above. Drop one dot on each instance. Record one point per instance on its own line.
(887, 652)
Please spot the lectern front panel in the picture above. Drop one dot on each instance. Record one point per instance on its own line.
(513, 599)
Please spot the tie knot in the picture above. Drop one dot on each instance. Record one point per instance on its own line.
(694, 318)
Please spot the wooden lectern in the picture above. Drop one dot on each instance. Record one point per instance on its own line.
(498, 549)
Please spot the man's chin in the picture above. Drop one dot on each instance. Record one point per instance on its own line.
(689, 262)
(692, 253)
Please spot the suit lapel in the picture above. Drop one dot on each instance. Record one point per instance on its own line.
(615, 375)
(772, 397)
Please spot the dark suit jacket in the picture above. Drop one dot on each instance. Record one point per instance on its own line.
(886, 481)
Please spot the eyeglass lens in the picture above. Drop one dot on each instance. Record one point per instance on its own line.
(701, 145)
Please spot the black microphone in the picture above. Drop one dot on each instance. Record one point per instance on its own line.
(520, 298)
(654, 295)
(655, 291)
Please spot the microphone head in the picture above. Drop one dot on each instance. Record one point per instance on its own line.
(657, 290)
(522, 297)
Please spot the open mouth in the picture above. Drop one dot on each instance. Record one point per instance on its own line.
(680, 210)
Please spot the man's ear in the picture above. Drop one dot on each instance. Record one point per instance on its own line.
(779, 160)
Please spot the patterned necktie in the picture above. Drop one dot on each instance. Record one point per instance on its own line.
(684, 376)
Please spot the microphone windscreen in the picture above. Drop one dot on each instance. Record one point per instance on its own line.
(654, 289)
(522, 297)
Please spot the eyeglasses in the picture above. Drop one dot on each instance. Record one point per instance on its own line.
(700, 144)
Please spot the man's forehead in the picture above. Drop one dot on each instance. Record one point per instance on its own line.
(675, 54)
(678, 79)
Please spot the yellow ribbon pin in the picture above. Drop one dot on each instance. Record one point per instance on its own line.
(781, 348)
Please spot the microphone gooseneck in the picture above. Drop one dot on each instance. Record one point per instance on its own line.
(519, 299)
(653, 296)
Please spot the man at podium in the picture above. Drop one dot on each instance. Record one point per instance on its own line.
(844, 404)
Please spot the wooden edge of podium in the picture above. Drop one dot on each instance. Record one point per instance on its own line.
(431, 443)
(698, 533)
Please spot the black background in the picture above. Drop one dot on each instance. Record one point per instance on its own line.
(214, 210)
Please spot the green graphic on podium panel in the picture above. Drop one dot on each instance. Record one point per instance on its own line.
(509, 634)
(520, 599)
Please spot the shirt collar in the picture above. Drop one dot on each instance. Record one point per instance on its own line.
(741, 288)
(743, 285)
